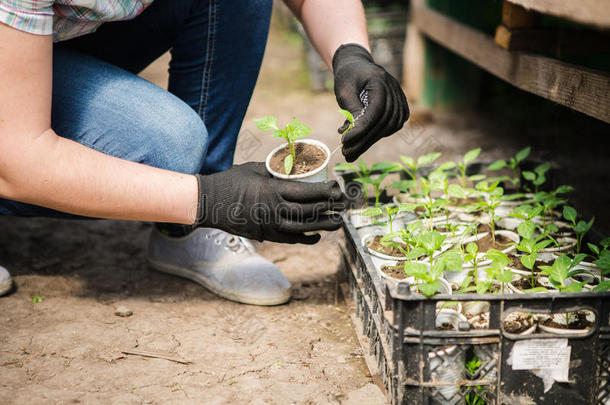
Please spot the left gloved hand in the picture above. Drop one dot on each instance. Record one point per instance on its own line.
(386, 112)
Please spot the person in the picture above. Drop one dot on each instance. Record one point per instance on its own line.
(82, 136)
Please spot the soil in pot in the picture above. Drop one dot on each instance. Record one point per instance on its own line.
(523, 283)
(376, 245)
(485, 243)
(515, 263)
(578, 320)
(518, 322)
(397, 271)
(307, 158)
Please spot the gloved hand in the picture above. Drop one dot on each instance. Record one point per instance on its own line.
(248, 201)
(385, 105)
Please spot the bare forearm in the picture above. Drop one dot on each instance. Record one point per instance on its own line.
(331, 23)
(58, 173)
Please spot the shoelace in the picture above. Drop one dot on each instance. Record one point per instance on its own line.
(237, 244)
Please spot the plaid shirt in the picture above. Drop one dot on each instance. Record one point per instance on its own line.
(66, 19)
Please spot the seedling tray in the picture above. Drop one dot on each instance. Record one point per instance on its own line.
(401, 331)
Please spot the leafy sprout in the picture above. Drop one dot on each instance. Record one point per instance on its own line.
(410, 165)
(291, 132)
(513, 163)
(376, 180)
(538, 176)
(472, 397)
(468, 158)
(494, 198)
(562, 269)
(350, 118)
(602, 256)
(581, 227)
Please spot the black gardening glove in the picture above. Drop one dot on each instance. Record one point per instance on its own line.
(371, 94)
(247, 201)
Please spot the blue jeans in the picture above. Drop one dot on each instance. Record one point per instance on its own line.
(216, 48)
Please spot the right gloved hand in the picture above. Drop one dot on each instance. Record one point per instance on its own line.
(248, 201)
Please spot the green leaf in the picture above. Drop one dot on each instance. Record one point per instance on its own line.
(344, 167)
(497, 165)
(348, 115)
(471, 155)
(476, 177)
(540, 180)
(482, 287)
(583, 227)
(526, 229)
(267, 123)
(429, 288)
(523, 154)
(604, 261)
(373, 212)
(541, 245)
(455, 190)
(417, 270)
(542, 168)
(569, 213)
(575, 287)
(452, 260)
(529, 176)
(529, 260)
(363, 167)
(407, 161)
(415, 253)
(429, 158)
(498, 257)
(603, 286)
(280, 133)
(577, 259)
(472, 248)
(564, 189)
(385, 167)
(593, 248)
(404, 186)
(288, 164)
(447, 166)
(605, 243)
(505, 276)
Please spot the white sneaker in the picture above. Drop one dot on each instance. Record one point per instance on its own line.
(225, 264)
(6, 284)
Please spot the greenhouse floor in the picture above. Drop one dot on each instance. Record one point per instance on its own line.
(68, 347)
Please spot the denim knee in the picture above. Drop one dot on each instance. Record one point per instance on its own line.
(180, 141)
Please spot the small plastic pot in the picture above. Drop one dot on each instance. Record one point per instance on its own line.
(559, 318)
(319, 174)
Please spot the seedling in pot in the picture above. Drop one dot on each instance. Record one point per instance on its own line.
(388, 211)
(407, 235)
(427, 275)
(538, 176)
(580, 228)
(602, 256)
(562, 270)
(468, 158)
(366, 174)
(489, 204)
(410, 165)
(530, 246)
(291, 132)
(549, 201)
(497, 269)
(513, 164)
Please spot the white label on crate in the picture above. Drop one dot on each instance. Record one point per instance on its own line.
(549, 359)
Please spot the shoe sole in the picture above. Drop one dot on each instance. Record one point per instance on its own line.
(189, 274)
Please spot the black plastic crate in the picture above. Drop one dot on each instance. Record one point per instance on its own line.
(400, 327)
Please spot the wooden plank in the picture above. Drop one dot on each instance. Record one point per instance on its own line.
(553, 41)
(515, 16)
(581, 89)
(590, 12)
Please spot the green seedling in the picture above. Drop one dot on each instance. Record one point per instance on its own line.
(291, 132)
(388, 211)
(530, 246)
(406, 235)
(468, 158)
(562, 270)
(366, 174)
(549, 201)
(538, 176)
(350, 118)
(427, 275)
(494, 198)
(36, 299)
(581, 227)
(410, 165)
(513, 164)
(602, 260)
(472, 397)
(497, 269)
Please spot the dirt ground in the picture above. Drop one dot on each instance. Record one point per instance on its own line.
(66, 348)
